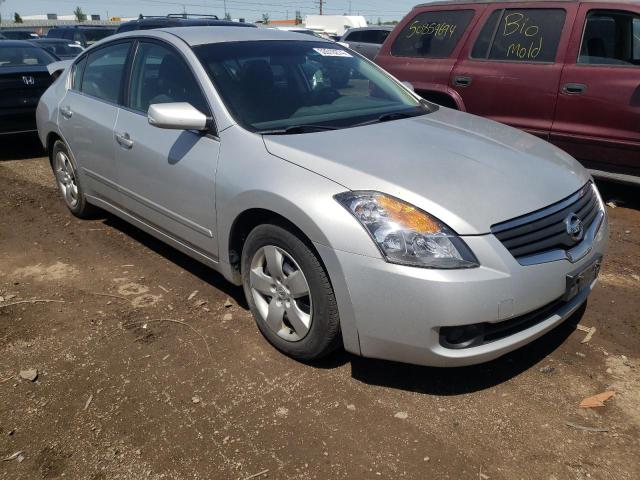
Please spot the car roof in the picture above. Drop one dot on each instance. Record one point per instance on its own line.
(373, 27)
(471, 2)
(204, 35)
(17, 43)
(69, 27)
(184, 21)
(49, 40)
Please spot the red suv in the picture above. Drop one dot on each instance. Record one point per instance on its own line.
(567, 71)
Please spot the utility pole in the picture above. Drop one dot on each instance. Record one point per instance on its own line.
(349, 7)
(320, 2)
(225, 8)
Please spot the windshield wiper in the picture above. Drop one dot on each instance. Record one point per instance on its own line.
(298, 129)
(391, 116)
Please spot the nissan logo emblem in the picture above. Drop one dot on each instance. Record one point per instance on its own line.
(28, 80)
(574, 227)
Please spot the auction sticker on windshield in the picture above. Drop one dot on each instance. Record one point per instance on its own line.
(332, 52)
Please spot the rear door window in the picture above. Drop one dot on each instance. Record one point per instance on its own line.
(103, 72)
(611, 37)
(432, 34)
(521, 35)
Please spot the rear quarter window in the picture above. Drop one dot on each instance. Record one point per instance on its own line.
(432, 34)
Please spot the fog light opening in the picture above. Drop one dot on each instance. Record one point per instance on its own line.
(462, 336)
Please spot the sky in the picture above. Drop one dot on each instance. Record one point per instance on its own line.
(249, 9)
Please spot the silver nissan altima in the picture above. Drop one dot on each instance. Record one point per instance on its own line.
(351, 211)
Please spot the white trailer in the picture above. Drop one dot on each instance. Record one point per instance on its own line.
(334, 24)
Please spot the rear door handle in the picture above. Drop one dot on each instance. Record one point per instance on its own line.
(461, 81)
(66, 112)
(574, 88)
(124, 139)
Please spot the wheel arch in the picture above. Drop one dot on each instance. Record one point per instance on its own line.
(52, 137)
(249, 218)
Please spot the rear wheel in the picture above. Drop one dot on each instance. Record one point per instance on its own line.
(289, 293)
(68, 183)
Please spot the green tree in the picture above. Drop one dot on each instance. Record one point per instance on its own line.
(379, 21)
(265, 18)
(298, 17)
(17, 18)
(80, 16)
(227, 16)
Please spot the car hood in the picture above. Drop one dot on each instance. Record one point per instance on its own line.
(468, 171)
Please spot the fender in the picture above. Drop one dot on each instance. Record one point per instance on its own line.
(293, 213)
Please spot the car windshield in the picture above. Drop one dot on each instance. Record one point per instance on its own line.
(24, 56)
(280, 85)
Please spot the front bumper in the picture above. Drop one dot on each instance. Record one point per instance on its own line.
(398, 311)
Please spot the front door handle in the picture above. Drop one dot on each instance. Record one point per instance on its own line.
(124, 139)
(66, 112)
(574, 88)
(462, 81)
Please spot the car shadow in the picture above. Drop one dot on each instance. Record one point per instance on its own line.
(622, 194)
(203, 272)
(418, 379)
(462, 380)
(22, 146)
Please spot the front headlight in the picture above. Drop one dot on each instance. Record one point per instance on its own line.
(405, 234)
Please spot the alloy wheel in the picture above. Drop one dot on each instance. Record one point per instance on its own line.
(66, 177)
(281, 293)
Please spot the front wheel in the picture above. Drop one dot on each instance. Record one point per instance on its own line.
(289, 294)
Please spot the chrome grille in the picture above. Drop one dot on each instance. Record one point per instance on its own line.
(545, 230)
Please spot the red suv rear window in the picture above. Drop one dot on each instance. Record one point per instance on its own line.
(432, 34)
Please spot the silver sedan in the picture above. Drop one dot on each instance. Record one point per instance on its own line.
(353, 212)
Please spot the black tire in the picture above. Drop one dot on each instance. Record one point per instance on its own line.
(81, 209)
(324, 334)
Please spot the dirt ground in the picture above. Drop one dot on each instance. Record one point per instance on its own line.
(125, 391)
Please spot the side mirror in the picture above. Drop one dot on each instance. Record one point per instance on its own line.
(176, 116)
(409, 85)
